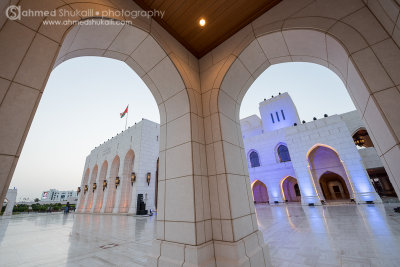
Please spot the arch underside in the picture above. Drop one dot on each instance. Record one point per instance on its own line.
(333, 187)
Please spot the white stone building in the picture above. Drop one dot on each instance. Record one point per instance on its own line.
(120, 169)
(10, 201)
(312, 162)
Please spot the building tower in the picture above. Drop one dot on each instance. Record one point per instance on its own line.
(278, 112)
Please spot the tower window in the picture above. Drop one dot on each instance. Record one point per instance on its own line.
(277, 116)
(254, 160)
(272, 118)
(283, 114)
(283, 153)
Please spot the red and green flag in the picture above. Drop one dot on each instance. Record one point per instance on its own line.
(125, 112)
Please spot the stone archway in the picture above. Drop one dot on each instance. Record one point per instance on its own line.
(228, 72)
(90, 194)
(324, 41)
(323, 161)
(99, 194)
(260, 192)
(82, 194)
(126, 186)
(333, 187)
(110, 193)
(290, 189)
(30, 50)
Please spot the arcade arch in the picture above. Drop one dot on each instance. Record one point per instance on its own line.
(290, 189)
(91, 190)
(260, 192)
(100, 191)
(82, 194)
(111, 185)
(126, 187)
(325, 163)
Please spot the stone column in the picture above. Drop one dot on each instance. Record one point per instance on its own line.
(27, 58)
(363, 190)
(184, 227)
(237, 240)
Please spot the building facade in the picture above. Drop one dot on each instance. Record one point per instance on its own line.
(314, 162)
(56, 195)
(10, 201)
(120, 170)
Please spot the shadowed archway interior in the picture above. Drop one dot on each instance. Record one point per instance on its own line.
(333, 186)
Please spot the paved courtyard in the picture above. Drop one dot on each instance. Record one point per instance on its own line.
(343, 235)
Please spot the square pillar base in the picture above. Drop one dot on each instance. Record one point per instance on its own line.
(249, 251)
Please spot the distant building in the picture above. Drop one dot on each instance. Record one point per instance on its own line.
(56, 195)
(10, 201)
(121, 175)
(318, 161)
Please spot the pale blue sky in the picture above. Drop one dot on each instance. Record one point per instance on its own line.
(83, 98)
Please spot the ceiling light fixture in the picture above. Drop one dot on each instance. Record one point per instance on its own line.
(202, 22)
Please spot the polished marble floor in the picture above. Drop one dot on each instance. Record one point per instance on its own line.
(348, 235)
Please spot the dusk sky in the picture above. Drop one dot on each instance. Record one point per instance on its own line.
(83, 98)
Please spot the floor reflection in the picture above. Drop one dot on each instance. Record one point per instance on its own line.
(350, 235)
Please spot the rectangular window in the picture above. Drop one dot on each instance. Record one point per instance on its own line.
(277, 116)
(283, 114)
(272, 118)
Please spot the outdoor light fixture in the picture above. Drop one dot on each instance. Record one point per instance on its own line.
(94, 187)
(133, 178)
(202, 22)
(117, 180)
(79, 190)
(148, 178)
(86, 189)
(359, 141)
(104, 184)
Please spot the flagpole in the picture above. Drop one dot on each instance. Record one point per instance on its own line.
(126, 121)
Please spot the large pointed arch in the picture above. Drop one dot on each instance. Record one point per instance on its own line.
(322, 159)
(126, 185)
(100, 191)
(82, 195)
(274, 45)
(111, 186)
(91, 191)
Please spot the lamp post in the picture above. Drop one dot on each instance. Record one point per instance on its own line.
(85, 189)
(104, 184)
(79, 190)
(94, 187)
(148, 178)
(117, 181)
(133, 178)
